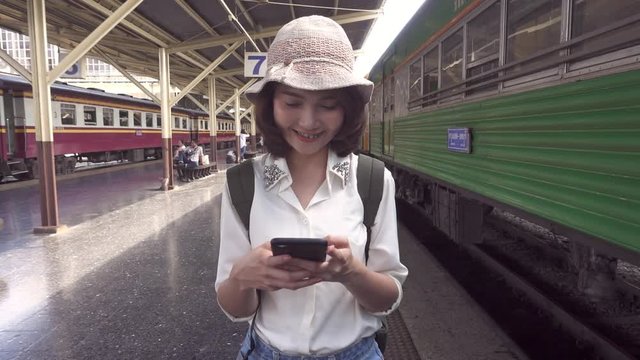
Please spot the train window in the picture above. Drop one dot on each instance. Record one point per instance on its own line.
(532, 26)
(184, 123)
(68, 114)
(430, 74)
(107, 117)
(148, 119)
(452, 59)
(389, 94)
(158, 120)
(206, 125)
(123, 115)
(592, 15)
(176, 122)
(483, 45)
(137, 119)
(90, 117)
(415, 81)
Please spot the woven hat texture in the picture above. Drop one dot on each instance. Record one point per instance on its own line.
(312, 53)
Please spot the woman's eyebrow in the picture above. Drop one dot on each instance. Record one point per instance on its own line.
(291, 93)
(300, 96)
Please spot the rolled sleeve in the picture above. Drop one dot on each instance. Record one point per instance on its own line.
(234, 243)
(384, 251)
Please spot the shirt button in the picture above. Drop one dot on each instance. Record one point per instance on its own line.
(305, 221)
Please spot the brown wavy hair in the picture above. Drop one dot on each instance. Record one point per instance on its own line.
(346, 141)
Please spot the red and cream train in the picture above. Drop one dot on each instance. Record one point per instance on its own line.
(93, 125)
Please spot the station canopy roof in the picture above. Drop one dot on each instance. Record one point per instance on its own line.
(196, 33)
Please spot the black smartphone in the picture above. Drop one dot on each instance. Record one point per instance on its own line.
(314, 249)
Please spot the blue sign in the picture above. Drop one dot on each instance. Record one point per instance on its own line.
(459, 140)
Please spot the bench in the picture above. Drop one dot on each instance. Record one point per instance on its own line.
(188, 174)
(250, 154)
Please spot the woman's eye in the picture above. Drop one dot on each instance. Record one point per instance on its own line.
(329, 106)
(292, 104)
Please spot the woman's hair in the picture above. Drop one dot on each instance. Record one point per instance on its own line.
(346, 140)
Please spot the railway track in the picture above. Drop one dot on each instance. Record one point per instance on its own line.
(534, 307)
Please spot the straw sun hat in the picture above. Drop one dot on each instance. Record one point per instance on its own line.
(312, 53)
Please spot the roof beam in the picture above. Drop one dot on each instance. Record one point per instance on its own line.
(245, 13)
(15, 65)
(205, 72)
(203, 23)
(126, 74)
(268, 32)
(92, 39)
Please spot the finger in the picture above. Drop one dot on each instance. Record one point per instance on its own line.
(304, 264)
(278, 260)
(303, 283)
(338, 241)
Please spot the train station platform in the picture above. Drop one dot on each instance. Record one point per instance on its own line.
(132, 278)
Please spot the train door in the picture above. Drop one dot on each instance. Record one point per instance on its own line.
(388, 106)
(10, 121)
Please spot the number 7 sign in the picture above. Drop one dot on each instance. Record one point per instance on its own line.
(255, 64)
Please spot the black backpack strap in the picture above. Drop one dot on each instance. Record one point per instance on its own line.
(241, 186)
(370, 175)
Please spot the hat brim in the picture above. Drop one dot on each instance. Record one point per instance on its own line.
(331, 78)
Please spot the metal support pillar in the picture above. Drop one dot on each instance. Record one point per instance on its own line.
(213, 124)
(254, 138)
(165, 113)
(236, 114)
(42, 112)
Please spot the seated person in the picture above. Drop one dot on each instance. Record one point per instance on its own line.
(194, 154)
(231, 157)
(179, 153)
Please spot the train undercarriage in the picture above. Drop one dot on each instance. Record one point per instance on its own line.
(27, 169)
(463, 217)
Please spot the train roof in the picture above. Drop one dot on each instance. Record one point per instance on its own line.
(10, 80)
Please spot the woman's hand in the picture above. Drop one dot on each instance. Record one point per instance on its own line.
(261, 270)
(340, 267)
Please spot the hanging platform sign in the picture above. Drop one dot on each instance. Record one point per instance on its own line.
(255, 64)
(459, 140)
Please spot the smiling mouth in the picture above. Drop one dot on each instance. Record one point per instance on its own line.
(306, 135)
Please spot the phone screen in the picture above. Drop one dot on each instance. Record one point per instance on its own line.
(314, 249)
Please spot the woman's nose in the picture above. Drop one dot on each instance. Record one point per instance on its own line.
(307, 118)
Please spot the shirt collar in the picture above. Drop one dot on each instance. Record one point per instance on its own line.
(276, 170)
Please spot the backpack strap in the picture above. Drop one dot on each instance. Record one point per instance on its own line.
(241, 186)
(370, 175)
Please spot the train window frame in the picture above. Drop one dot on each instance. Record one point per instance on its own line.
(68, 114)
(107, 123)
(475, 68)
(452, 45)
(537, 55)
(123, 121)
(415, 82)
(148, 119)
(88, 110)
(137, 119)
(176, 122)
(602, 19)
(545, 67)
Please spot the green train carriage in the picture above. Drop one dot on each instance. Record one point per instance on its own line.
(549, 91)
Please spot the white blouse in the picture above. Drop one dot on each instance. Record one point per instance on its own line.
(324, 317)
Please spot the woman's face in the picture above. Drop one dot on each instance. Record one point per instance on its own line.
(308, 119)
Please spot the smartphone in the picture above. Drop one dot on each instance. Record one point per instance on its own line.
(314, 249)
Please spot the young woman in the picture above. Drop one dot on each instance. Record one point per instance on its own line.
(310, 109)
